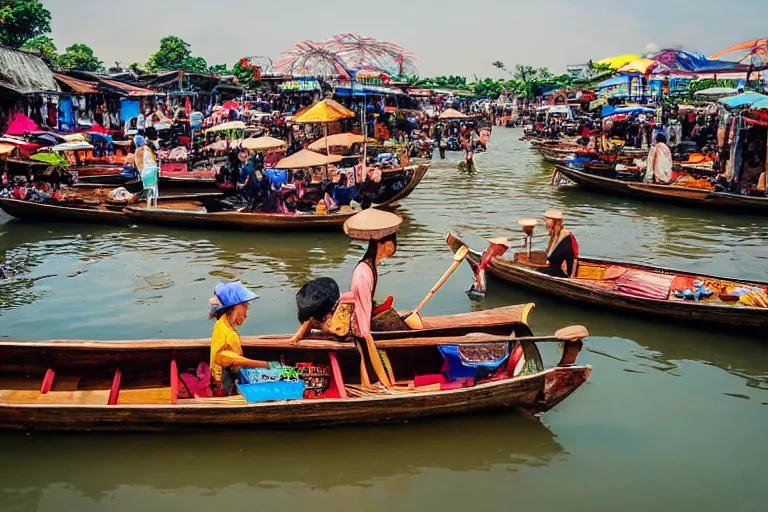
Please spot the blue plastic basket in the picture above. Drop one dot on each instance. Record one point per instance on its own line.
(267, 391)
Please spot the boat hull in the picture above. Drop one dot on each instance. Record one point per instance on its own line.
(732, 317)
(678, 195)
(37, 212)
(23, 406)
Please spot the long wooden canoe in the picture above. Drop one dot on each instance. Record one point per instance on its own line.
(133, 385)
(40, 212)
(673, 194)
(589, 287)
(192, 215)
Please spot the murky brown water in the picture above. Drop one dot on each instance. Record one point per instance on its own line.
(673, 418)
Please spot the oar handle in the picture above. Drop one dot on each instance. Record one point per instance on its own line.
(439, 284)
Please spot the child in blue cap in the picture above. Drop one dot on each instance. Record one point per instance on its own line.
(229, 306)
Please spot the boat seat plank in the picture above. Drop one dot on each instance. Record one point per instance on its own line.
(97, 397)
(160, 395)
(229, 400)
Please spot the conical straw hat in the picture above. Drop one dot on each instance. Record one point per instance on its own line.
(372, 224)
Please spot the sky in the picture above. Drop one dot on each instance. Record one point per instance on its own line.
(448, 36)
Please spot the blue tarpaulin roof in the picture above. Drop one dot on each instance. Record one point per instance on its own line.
(611, 82)
(609, 111)
(742, 100)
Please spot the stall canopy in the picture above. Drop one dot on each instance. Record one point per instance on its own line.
(639, 66)
(613, 82)
(754, 53)
(742, 100)
(74, 85)
(23, 73)
(306, 158)
(618, 61)
(716, 92)
(682, 61)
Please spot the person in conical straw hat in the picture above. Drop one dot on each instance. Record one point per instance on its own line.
(562, 250)
(355, 309)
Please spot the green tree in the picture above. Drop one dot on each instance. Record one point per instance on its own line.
(174, 55)
(43, 46)
(498, 64)
(243, 74)
(22, 20)
(524, 73)
(79, 57)
(136, 67)
(219, 69)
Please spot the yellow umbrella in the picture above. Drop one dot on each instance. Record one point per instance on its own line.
(326, 111)
(339, 140)
(619, 60)
(306, 158)
(264, 143)
(641, 66)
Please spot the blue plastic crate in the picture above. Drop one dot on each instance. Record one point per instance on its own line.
(267, 391)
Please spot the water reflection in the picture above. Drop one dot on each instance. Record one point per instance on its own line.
(365, 457)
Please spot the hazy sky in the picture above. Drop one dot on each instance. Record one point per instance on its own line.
(449, 36)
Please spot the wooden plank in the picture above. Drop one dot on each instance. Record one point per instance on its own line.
(98, 397)
(145, 396)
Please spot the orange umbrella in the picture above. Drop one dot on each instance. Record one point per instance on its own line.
(326, 111)
(6, 149)
(306, 158)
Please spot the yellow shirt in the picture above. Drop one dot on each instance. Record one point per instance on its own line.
(223, 338)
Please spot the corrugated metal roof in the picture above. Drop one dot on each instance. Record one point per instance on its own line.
(128, 90)
(24, 73)
(77, 86)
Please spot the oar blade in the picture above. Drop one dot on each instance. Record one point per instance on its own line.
(572, 333)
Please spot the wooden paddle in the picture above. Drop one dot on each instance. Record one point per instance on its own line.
(414, 319)
(572, 333)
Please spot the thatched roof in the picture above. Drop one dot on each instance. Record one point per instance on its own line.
(24, 73)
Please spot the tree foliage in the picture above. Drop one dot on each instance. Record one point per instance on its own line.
(43, 46)
(136, 67)
(22, 20)
(219, 69)
(174, 55)
(79, 57)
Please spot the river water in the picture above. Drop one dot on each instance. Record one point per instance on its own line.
(673, 417)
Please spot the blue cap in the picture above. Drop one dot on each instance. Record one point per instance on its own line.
(139, 141)
(231, 294)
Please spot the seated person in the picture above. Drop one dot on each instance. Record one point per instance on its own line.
(229, 306)
(562, 250)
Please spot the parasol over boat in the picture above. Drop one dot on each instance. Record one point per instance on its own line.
(265, 143)
(339, 140)
(452, 114)
(306, 158)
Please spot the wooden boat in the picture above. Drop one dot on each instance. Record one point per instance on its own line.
(596, 287)
(685, 196)
(27, 210)
(192, 214)
(133, 385)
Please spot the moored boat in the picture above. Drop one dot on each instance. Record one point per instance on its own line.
(685, 196)
(193, 214)
(135, 385)
(633, 287)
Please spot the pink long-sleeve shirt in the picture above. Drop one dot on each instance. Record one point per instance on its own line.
(361, 297)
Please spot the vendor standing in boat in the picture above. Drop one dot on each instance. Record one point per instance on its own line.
(229, 306)
(562, 250)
